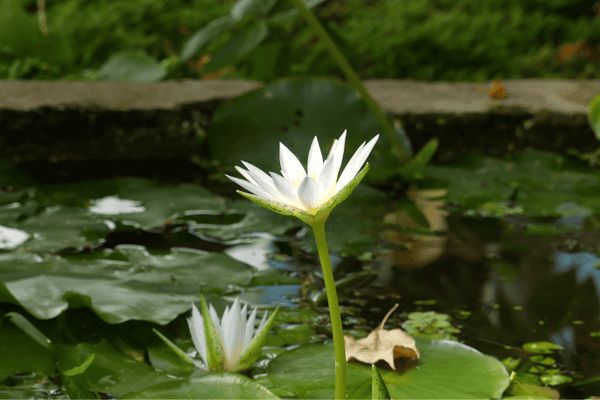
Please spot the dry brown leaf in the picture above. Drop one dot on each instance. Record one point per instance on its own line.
(497, 91)
(381, 345)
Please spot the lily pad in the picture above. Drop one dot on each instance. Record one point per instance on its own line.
(293, 111)
(539, 183)
(131, 284)
(446, 369)
(213, 386)
(111, 371)
(21, 353)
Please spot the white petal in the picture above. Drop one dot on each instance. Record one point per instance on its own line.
(245, 174)
(315, 159)
(233, 334)
(338, 154)
(290, 165)
(196, 325)
(248, 335)
(253, 188)
(356, 163)
(310, 193)
(329, 174)
(349, 167)
(327, 177)
(262, 179)
(288, 190)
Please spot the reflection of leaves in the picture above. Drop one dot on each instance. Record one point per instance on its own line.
(421, 248)
(381, 344)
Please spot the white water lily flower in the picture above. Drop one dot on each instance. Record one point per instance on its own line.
(231, 343)
(309, 195)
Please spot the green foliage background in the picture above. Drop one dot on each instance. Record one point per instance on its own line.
(464, 40)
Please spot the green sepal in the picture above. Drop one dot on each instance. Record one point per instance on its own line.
(594, 115)
(379, 389)
(178, 351)
(248, 358)
(305, 216)
(215, 350)
(342, 195)
(279, 208)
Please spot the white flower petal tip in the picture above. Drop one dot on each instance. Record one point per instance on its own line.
(309, 194)
(231, 343)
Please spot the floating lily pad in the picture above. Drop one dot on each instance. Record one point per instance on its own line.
(293, 111)
(539, 183)
(446, 369)
(21, 353)
(59, 227)
(212, 386)
(132, 284)
(542, 347)
(111, 371)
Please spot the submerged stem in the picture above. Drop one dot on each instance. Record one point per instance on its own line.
(334, 311)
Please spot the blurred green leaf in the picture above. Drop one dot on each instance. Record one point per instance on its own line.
(20, 34)
(133, 66)
(80, 369)
(238, 47)
(201, 38)
(255, 8)
(28, 328)
(542, 347)
(415, 169)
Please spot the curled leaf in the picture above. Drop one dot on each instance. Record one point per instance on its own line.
(497, 91)
(381, 344)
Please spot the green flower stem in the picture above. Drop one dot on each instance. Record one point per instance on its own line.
(334, 311)
(354, 80)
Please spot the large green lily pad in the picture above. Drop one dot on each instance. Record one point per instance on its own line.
(130, 284)
(293, 111)
(212, 386)
(446, 370)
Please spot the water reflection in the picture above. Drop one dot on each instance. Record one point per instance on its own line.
(112, 205)
(523, 291)
(254, 251)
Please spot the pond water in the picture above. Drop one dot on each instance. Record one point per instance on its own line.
(480, 272)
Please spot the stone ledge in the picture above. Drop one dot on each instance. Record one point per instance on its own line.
(531, 95)
(396, 96)
(64, 121)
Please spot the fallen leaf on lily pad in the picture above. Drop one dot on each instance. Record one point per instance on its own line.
(381, 345)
